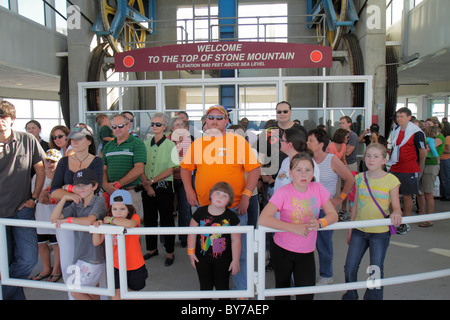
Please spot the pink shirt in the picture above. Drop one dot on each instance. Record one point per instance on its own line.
(332, 148)
(298, 207)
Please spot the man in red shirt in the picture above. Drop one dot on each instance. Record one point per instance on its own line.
(408, 154)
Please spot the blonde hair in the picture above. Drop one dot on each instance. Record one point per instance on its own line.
(378, 146)
(432, 132)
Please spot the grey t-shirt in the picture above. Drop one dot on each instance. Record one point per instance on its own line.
(352, 141)
(16, 163)
(84, 248)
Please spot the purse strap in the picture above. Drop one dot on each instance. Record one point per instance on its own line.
(373, 198)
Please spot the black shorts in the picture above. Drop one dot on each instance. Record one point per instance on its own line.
(409, 183)
(136, 278)
(42, 238)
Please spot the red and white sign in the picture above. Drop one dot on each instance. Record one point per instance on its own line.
(224, 55)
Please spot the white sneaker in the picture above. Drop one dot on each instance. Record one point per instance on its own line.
(322, 281)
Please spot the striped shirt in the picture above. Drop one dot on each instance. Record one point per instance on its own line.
(328, 177)
(120, 159)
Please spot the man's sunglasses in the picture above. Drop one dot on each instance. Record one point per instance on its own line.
(120, 126)
(58, 136)
(158, 124)
(212, 117)
(282, 111)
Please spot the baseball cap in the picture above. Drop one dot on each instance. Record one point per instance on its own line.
(84, 176)
(79, 131)
(53, 154)
(220, 108)
(121, 196)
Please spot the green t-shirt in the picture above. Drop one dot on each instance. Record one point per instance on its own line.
(120, 159)
(430, 160)
(105, 132)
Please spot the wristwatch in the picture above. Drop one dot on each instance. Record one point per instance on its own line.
(35, 200)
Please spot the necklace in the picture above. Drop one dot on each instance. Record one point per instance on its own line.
(81, 161)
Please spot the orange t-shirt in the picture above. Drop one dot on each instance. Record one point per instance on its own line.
(446, 156)
(216, 159)
(135, 259)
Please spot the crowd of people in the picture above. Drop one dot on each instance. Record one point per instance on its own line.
(286, 178)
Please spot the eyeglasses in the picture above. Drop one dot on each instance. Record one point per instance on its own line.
(120, 126)
(58, 136)
(158, 124)
(282, 111)
(212, 117)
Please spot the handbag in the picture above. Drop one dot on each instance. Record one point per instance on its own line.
(392, 228)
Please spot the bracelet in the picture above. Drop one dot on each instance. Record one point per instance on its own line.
(70, 188)
(247, 193)
(343, 196)
(322, 223)
(52, 200)
(111, 220)
(117, 185)
(69, 220)
(190, 251)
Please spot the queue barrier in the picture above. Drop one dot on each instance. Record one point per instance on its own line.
(256, 244)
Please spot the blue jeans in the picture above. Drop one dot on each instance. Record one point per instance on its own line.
(324, 245)
(359, 243)
(444, 177)
(22, 253)
(184, 208)
(240, 279)
(253, 211)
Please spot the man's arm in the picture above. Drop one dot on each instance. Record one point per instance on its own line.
(133, 174)
(191, 196)
(250, 185)
(38, 184)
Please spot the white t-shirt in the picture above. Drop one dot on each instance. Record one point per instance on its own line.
(283, 177)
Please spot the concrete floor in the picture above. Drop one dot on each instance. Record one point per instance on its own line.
(420, 250)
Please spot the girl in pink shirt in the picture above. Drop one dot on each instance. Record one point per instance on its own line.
(299, 204)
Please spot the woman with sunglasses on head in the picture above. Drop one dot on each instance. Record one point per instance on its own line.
(157, 180)
(83, 155)
(59, 141)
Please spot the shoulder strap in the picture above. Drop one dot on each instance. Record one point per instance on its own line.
(373, 198)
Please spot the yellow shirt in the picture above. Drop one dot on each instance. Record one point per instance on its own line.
(366, 208)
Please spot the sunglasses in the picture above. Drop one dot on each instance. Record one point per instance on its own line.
(58, 136)
(120, 126)
(158, 124)
(212, 117)
(282, 111)
(80, 126)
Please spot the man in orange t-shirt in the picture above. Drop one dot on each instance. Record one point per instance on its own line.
(221, 156)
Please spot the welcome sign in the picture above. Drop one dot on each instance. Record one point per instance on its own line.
(224, 55)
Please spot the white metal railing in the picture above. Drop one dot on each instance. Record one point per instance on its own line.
(255, 244)
(262, 292)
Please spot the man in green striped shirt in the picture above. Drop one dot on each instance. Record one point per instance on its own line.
(124, 159)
